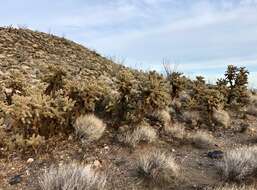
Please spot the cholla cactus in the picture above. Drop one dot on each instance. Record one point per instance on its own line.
(234, 86)
(122, 107)
(137, 99)
(86, 95)
(15, 83)
(39, 113)
(154, 94)
(176, 80)
(205, 98)
(54, 80)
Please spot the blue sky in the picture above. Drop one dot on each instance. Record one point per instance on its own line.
(199, 36)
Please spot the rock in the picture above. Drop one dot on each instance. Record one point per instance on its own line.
(221, 117)
(216, 154)
(15, 180)
(30, 160)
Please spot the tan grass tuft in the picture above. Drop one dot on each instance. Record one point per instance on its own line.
(142, 133)
(163, 116)
(221, 117)
(202, 139)
(176, 131)
(156, 168)
(239, 163)
(233, 187)
(89, 127)
(72, 177)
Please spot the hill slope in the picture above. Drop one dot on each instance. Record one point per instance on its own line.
(32, 52)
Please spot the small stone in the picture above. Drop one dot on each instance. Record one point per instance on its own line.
(30, 160)
(15, 179)
(70, 138)
(106, 148)
(216, 154)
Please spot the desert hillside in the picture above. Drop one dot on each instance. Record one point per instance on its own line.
(71, 119)
(32, 52)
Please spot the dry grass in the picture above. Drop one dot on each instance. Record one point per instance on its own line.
(233, 187)
(202, 139)
(163, 116)
(176, 131)
(156, 168)
(252, 110)
(89, 127)
(142, 133)
(72, 177)
(221, 117)
(239, 163)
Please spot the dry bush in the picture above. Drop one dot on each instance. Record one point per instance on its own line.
(252, 107)
(157, 168)
(163, 116)
(239, 163)
(176, 130)
(141, 133)
(233, 187)
(89, 127)
(192, 117)
(72, 177)
(251, 110)
(221, 117)
(202, 139)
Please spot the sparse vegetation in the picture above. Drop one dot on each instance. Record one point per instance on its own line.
(233, 187)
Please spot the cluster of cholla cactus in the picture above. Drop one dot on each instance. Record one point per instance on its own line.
(205, 98)
(234, 86)
(52, 105)
(137, 99)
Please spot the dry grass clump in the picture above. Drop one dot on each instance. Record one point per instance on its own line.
(202, 139)
(142, 133)
(163, 116)
(89, 127)
(72, 177)
(176, 130)
(252, 110)
(239, 163)
(221, 117)
(233, 187)
(156, 168)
